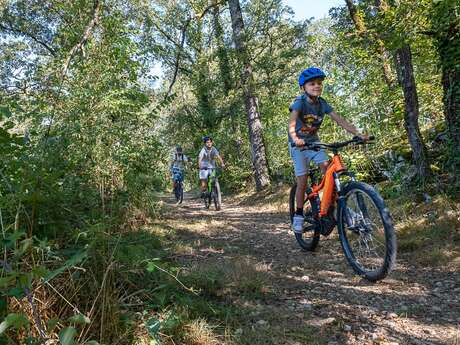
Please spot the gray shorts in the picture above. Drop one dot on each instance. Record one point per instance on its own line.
(302, 159)
(204, 173)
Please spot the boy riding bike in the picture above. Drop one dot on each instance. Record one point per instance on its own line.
(207, 161)
(307, 114)
(177, 167)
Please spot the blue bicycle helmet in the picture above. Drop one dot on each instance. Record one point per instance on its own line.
(310, 73)
(206, 138)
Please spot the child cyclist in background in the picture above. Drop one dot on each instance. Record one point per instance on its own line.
(207, 161)
(178, 160)
(307, 114)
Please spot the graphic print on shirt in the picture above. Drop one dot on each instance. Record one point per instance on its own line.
(311, 123)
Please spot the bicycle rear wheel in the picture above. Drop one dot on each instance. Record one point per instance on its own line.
(177, 191)
(181, 193)
(366, 231)
(308, 240)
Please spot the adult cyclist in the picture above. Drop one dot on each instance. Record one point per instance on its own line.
(207, 161)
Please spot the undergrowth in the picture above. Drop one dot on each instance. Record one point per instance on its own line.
(114, 284)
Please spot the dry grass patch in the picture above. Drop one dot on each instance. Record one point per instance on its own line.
(430, 234)
(199, 332)
(274, 195)
(241, 276)
(202, 226)
(182, 249)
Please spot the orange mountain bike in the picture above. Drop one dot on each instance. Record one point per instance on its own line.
(364, 223)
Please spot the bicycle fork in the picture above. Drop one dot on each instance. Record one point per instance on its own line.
(350, 216)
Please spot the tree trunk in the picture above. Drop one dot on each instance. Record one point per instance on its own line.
(447, 35)
(361, 29)
(227, 79)
(356, 17)
(224, 63)
(451, 87)
(258, 154)
(201, 82)
(407, 81)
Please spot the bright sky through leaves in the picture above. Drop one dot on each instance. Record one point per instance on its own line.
(305, 9)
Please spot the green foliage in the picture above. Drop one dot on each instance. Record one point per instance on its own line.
(153, 327)
(84, 149)
(67, 335)
(16, 321)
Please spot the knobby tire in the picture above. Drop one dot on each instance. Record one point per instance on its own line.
(217, 196)
(389, 258)
(309, 239)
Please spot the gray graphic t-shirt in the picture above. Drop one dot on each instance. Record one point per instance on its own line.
(310, 117)
(208, 157)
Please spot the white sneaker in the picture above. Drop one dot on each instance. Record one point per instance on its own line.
(297, 223)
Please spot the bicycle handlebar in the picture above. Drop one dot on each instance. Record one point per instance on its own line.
(215, 168)
(337, 145)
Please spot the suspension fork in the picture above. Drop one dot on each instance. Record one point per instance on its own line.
(341, 201)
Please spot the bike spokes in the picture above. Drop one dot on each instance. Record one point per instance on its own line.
(365, 231)
(308, 239)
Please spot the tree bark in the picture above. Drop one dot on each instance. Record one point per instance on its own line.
(361, 29)
(258, 153)
(226, 77)
(447, 37)
(86, 35)
(451, 87)
(407, 81)
(224, 63)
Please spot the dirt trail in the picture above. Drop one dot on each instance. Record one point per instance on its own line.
(317, 293)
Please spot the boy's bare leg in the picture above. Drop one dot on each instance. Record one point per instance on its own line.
(323, 166)
(300, 192)
(203, 185)
(302, 185)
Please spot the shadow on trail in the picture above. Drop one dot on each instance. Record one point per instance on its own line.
(414, 305)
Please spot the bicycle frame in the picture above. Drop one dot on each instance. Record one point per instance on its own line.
(211, 178)
(329, 183)
(356, 226)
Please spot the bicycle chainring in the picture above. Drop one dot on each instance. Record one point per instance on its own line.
(328, 224)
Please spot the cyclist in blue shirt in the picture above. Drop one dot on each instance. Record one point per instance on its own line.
(307, 113)
(177, 167)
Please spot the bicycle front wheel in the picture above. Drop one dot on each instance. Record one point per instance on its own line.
(366, 231)
(308, 240)
(207, 200)
(216, 196)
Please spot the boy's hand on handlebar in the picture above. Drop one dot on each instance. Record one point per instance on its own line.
(299, 142)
